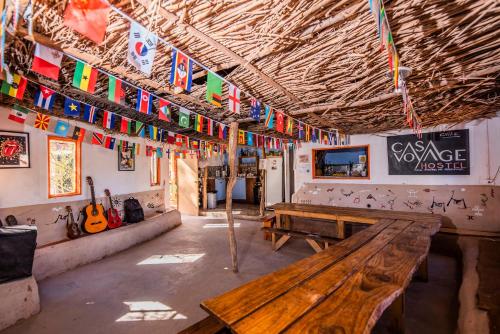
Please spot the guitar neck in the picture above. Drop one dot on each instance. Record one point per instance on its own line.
(110, 202)
(92, 193)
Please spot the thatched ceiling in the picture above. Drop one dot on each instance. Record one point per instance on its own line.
(317, 60)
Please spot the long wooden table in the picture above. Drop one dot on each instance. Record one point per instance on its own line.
(343, 289)
(338, 215)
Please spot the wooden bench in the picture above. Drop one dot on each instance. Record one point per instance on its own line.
(343, 289)
(338, 216)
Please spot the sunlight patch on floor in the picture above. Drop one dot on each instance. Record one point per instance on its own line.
(220, 225)
(173, 258)
(149, 311)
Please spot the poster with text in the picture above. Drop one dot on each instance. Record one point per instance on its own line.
(436, 153)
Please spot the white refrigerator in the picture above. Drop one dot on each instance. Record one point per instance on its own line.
(274, 180)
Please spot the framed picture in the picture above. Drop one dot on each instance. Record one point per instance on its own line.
(14, 149)
(126, 160)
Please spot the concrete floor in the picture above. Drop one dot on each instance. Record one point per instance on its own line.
(116, 295)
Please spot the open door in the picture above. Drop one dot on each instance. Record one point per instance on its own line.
(187, 185)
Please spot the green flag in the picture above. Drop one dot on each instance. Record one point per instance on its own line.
(214, 89)
(183, 117)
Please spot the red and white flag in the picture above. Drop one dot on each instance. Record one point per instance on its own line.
(47, 62)
(234, 99)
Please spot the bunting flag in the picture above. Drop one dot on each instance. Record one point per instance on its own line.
(269, 123)
(325, 139)
(255, 109)
(61, 128)
(108, 120)
(330, 138)
(109, 143)
(308, 132)
(184, 117)
(396, 70)
(181, 72)
(210, 126)
(178, 140)
(249, 139)
(234, 99)
(90, 113)
(97, 138)
(141, 48)
(16, 87)
(300, 129)
(44, 98)
(198, 123)
(171, 137)
(78, 134)
(314, 138)
(280, 122)
(116, 91)
(214, 89)
(159, 152)
(222, 131)
(289, 126)
(85, 77)
(47, 61)
(123, 145)
(71, 107)
(18, 114)
(153, 132)
(195, 144)
(137, 149)
(164, 112)
(144, 102)
(241, 137)
(88, 17)
(149, 150)
(126, 125)
(140, 129)
(42, 121)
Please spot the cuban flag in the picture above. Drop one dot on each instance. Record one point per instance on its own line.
(108, 120)
(141, 48)
(144, 102)
(44, 98)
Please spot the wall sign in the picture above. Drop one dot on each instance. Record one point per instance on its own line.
(436, 153)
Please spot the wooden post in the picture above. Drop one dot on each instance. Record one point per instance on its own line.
(205, 194)
(262, 208)
(233, 142)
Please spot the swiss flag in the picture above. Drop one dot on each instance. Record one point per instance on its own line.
(47, 62)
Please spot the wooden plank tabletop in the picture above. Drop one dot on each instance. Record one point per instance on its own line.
(355, 212)
(373, 265)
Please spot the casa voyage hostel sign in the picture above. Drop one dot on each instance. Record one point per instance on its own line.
(436, 153)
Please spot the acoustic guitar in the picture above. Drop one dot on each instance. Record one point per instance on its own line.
(114, 219)
(73, 231)
(94, 219)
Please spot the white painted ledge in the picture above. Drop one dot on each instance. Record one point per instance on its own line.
(20, 300)
(56, 259)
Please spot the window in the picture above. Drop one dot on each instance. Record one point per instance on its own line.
(155, 169)
(341, 162)
(64, 167)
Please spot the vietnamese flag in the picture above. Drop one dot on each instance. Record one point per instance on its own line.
(88, 17)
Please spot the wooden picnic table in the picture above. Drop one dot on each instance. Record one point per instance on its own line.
(338, 215)
(343, 289)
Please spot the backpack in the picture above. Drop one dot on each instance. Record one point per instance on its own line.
(133, 211)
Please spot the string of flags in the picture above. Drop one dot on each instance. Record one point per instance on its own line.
(90, 18)
(377, 8)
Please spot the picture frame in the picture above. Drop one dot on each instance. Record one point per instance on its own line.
(14, 149)
(126, 160)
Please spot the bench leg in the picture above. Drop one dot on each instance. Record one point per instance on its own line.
(423, 271)
(340, 229)
(397, 312)
(277, 244)
(278, 221)
(326, 245)
(317, 248)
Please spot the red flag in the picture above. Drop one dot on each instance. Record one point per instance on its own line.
(88, 17)
(280, 122)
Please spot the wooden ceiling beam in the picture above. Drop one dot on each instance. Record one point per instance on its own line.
(223, 49)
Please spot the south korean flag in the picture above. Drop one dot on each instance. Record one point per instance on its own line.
(141, 48)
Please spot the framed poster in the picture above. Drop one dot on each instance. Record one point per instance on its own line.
(436, 153)
(126, 159)
(341, 162)
(14, 149)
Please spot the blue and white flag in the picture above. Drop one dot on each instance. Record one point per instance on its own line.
(141, 48)
(90, 113)
(61, 128)
(44, 98)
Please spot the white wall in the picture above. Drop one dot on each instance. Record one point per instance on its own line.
(484, 142)
(28, 186)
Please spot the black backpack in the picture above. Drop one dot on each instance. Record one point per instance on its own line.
(133, 211)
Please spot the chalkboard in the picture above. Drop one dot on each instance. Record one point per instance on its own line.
(436, 153)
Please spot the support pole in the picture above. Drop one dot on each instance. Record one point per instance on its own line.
(205, 194)
(233, 142)
(262, 207)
